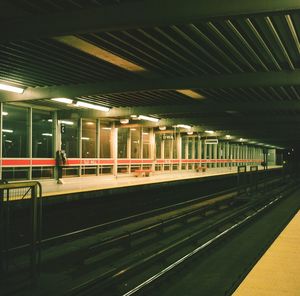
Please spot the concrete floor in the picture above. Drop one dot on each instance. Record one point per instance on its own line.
(76, 184)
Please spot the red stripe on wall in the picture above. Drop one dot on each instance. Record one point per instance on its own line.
(17, 162)
(43, 162)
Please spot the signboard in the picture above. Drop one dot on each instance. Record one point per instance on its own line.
(167, 137)
(211, 141)
(62, 128)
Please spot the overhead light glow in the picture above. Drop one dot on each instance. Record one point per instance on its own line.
(50, 120)
(183, 126)
(190, 93)
(67, 122)
(145, 134)
(4, 113)
(228, 137)
(148, 118)
(14, 89)
(63, 100)
(90, 123)
(106, 128)
(133, 129)
(133, 116)
(85, 138)
(162, 128)
(7, 131)
(91, 106)
(47, 135)
(124, 121)
(8, 141)
(209, 132)
(190, 133)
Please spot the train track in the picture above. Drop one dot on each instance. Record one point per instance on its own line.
(112, 252)
(176, 250)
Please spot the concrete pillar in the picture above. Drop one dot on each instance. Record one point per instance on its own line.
(1, 127)
(215, 154)
(152, 148)
(210, 154)
(205, 152)
(220, 150)
(179, 151)
(193, 152)
(114, 148)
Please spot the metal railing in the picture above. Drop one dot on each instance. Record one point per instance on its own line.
(11, 194)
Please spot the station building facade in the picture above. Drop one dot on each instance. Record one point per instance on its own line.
(30, 137)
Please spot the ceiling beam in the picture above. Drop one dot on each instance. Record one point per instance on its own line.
(195, 110)
(241, 80)
(147, 13)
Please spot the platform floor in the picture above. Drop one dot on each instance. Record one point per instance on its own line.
(278, 271)
(71, 185)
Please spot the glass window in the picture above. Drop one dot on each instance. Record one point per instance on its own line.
(146, 142)
(183, 145)
(190, 143)
(175, 153)
(135, 142)
(105, 140)
(42, 134)
(69, 138)
(158, 145)
(168, 147)
(123, 135)
(15, 131)
(88, 138)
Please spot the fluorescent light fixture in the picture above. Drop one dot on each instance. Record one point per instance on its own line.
(7, 131)
(63, 100)
(91, 106)
(133, 129)
(99, 53)
(47, 135)
(190, 133)
(14, 89)
(133, 116)
(50, 120)
(228, 137)
(145, 134)
(124, 121)
(190, 93)
(39, 143)
(209, 132)
(148, 118)
(4, 113)
(90, 123)
(85, 138)
(241, 139)
(106, 128)
(162, 128)
(183, 126)
(67, 122)
(8, 141)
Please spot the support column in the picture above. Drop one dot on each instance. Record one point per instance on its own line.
(205, 153)
(179, 151)
(152, 148)
(199, 151)
(210, 154)
(98, 143)
(215, 154)
(193, 152)
(30, 142)
(114, 147)
(186, 153)
(80, 143)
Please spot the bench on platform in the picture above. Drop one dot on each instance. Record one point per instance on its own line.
(201, 169)
(143, 172)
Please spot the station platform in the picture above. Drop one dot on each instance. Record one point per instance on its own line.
(96, 183)
(277, 272)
